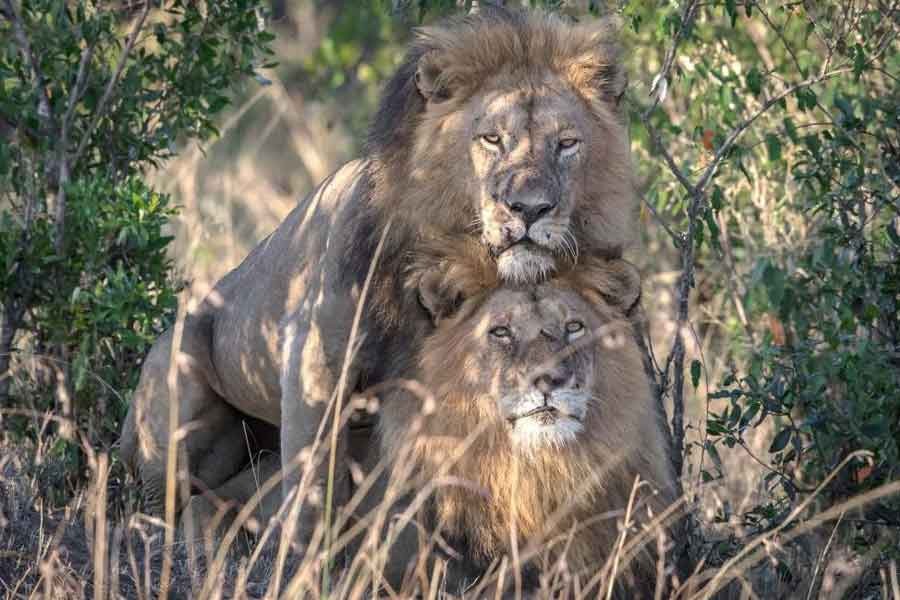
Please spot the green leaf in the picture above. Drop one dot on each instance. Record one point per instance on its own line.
(754, 81)
(714, 455)
(859, 61)
(695, 372)
(710, 220)
(893, 232)
(781, 440)
(731, 9)
(806, 99)
(717, 198)
(844, 106)
(791, 129)
(774, 280)
(773, 147)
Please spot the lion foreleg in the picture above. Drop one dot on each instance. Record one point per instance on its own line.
(203, 415)
(308, 385)
(213, 513)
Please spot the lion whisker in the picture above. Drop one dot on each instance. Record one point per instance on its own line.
(569, 249)
(574, 242)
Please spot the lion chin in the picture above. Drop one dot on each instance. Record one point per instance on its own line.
(524, 263)
(539, 432)
(536, 423)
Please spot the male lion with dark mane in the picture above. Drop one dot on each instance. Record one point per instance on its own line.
(538, 402)
(501, 127)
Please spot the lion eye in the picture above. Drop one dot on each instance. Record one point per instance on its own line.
(574, 329)
(567, 143)
(491, 139)
(500, 332)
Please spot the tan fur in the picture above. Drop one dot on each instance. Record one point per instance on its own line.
(622, 438)
(270, 340)
(506, 67)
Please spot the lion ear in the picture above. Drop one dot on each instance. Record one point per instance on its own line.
(438, 295)
(600, 67)
(431, 85)
(616, 281)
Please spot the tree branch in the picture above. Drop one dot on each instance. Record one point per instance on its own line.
(25, 48)
(682, 241)
(59, 217)
(110, 86)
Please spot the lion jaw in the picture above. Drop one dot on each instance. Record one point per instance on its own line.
(522, 264)
(532, 428)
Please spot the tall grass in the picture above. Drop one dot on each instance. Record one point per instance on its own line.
(87, 550)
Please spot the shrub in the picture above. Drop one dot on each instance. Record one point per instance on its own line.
(827, 370)
(92, 95)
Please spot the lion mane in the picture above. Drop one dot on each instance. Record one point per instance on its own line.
(417, 176)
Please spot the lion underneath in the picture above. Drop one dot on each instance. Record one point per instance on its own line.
(533, 401)
(539, 401)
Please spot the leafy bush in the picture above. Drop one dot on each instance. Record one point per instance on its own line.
(828, 369)
(92, 95)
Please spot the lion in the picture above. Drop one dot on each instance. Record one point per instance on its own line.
(544, 389)
(502, 129)
(538, 400)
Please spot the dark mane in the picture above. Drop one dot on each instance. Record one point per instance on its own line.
(419, 177)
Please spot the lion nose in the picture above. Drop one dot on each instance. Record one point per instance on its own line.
(531, 209)
(546, 383)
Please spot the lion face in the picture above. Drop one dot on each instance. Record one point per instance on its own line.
(506, 127)
(541, 369)
(527, 154)
(531, 363)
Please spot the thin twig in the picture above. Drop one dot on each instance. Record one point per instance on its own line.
(662, 78)
(675, 237)
(667, 157)
(59, 218)
(25, 47)
(780, 35)
(110, 86)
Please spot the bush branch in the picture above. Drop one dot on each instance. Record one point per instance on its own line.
(729, 142)
(59, 217)
(696, 193)
(110, 86)
(25, 48)
(687, 20)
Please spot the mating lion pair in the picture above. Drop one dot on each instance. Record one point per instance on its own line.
(475, 249)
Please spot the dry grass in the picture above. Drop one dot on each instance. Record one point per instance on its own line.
(99, 546)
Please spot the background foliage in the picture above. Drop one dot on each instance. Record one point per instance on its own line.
(93, 95)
